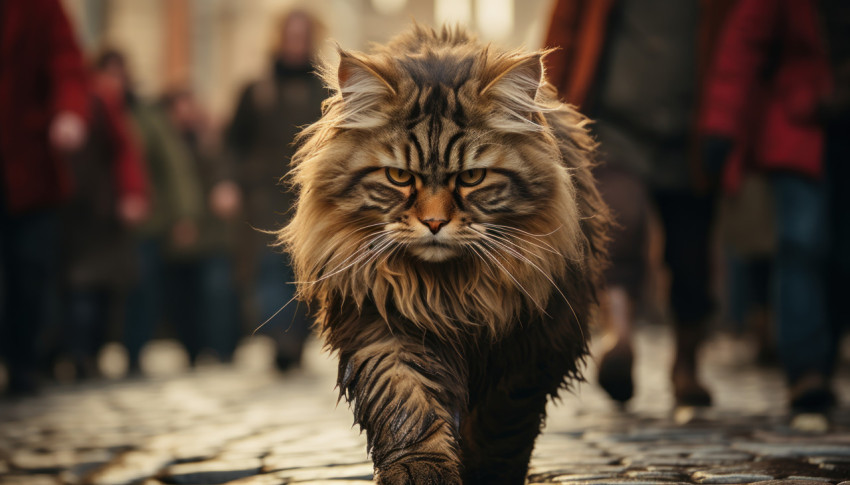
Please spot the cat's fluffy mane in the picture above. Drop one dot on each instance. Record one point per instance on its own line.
(473, 292)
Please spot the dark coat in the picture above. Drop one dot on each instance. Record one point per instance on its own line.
(771, 52)
(262, 138)
(579, 31)
(95, 242)
(41, 73)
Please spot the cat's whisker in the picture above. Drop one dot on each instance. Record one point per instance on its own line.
(274, 315)
(545, 275)
(519, 233)
(356, 256)
(511, 228)
(366, 252)
(542, 246)
(378, 251)
(389, 254)
(470, 249)
(524, 258)
(330, 258)
(506, 240)
(371, 235)
(511, 276)
(487, 265)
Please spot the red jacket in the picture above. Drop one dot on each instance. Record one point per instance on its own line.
(41, 73)
(129, 170)
(769, 75)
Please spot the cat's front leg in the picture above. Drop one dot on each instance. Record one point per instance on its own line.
(499, 432)
(407, 398)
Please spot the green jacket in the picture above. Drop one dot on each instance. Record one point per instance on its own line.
(175, 189)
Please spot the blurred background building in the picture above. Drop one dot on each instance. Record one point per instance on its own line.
(214, 47)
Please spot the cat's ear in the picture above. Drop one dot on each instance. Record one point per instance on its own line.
(355, 74)
(522, 76)
(364, 89)
(513, 86)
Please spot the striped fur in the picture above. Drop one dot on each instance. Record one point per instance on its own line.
(457, 288)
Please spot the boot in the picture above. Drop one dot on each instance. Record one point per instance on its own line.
(615, 366)
(687, 388)
(615, 371)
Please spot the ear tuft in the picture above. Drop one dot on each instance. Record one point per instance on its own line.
(513, 88)
(524, 75)
(354, 73)
(363, 90)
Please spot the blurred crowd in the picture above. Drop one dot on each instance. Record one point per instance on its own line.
(723, 130)
(120, 213)
(730, 115)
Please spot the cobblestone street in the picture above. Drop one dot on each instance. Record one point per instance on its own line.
(253, 427)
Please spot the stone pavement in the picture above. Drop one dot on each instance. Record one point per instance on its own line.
(248, 426)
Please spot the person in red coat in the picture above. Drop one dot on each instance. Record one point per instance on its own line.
(43, 110)
(635, 67)
(111, 198)
(778, 95)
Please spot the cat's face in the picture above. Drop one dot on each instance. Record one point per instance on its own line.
(439, 178)
(436, 180)
(440, 198)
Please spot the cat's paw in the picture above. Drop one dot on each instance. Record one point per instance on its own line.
(418, 473)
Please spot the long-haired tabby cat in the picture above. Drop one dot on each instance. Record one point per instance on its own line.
(450, 239)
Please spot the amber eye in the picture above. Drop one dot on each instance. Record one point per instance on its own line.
(399, 177)
(470, 178)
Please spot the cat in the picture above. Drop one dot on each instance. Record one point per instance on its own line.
(450, 240)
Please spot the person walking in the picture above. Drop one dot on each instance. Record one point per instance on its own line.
(43, 115)
(635, 67)
(176, 205)
(111, 199)
(203, 301)
(270, 112)
(779, 92)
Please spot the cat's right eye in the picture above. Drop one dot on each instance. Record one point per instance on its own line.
(399, 177)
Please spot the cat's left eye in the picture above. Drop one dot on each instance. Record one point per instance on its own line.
(399, 177)
(471, 178)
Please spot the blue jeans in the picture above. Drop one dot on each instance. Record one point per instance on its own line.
(290, 326)
(220, 305)
(87, 323)
(806, 341)
(144, 303)
(202, 304)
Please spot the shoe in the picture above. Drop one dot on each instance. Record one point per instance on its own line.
(24, 384)
(615, 372)
(811, 394)
(288, 356)
(687, 389)
(285, 362)
(134, 371)
(766, 356)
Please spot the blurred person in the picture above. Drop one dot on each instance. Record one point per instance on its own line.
(746, 229)
(176, 205)
(634, 67)
(793, 58)
(270, 112)
(203, 300)
(43, 113)
(111, 198)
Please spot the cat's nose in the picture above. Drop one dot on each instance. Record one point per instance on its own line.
(434, 224)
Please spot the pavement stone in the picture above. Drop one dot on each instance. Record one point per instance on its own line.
(247, 425)
(712, 478)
